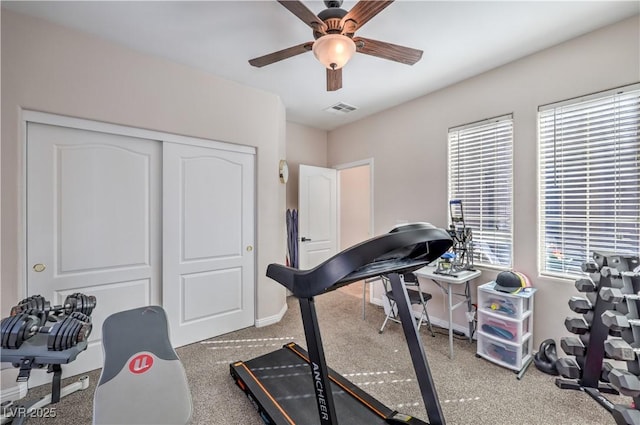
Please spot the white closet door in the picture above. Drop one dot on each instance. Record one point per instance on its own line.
(208, 240)
(93, 223)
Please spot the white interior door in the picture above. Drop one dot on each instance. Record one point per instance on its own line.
(93, 222)
(317, 215)
(208, 242)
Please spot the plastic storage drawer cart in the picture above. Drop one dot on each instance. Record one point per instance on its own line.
(505, 327)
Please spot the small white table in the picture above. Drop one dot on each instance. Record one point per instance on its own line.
(445, 283)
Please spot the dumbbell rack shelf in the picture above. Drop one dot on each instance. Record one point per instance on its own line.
(505, 327)
(608, 329)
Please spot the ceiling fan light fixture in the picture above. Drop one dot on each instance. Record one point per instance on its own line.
(334, 50)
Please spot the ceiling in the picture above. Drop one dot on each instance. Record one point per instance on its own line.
(459, 39)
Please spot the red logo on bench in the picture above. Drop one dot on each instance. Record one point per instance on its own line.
(140, 363)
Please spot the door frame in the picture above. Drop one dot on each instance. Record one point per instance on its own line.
(354, 164)
(27, 116)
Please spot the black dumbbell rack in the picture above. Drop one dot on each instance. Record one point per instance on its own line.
(39, 335)
(586, 370)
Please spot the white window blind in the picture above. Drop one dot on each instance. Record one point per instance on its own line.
(481, 175)
(589, 179)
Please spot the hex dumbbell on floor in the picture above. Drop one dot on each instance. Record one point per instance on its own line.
(62, 335)
(75, 302)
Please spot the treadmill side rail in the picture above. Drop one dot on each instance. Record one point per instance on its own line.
(268, 408)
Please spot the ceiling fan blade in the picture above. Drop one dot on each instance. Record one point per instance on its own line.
(334, 79)
(305, 15)
(363, 11)
(388, 51)
(281, 54)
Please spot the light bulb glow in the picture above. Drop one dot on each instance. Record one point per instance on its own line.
(334, 50)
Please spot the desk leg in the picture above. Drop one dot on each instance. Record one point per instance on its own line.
(364, 298)
(450, 321)
(467, 294)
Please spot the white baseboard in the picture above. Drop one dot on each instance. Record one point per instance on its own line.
(12, 390)
(272, 319)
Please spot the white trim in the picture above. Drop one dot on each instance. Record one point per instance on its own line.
(13, 390)
(22, 214)
(272, 319)
(83, 124)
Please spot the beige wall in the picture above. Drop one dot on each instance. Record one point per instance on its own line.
(307, 146)
(355, 201)
(52, 69)
(409, 145)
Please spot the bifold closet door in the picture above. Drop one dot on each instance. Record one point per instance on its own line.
(208, 241)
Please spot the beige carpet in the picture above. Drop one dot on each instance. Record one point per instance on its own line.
(471, 390)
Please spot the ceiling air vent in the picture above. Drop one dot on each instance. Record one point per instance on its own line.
(341, 108)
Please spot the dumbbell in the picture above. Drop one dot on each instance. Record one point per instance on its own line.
(14, 330)
(580, 304)
(578, 325)
(620, 350)
(625, 415)
(75, 302)
(607, 271)
(616, 321)
(572, 346)
(590, 267)
(625, 382)
(615, 295)
(585, 284)
(64, 334)
(569, 368)
(606, 370)
(73, 329)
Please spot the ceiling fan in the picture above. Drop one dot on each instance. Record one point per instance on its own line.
(333, 31)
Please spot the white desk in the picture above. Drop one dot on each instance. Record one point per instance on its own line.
(445, 283)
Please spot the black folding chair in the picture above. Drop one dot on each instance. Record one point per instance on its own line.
(416, 297)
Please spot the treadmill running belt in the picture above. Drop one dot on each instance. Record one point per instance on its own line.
(286, 378)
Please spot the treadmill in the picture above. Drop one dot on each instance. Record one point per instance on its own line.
(291, 386)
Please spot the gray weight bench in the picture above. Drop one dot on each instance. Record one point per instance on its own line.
(143, 380)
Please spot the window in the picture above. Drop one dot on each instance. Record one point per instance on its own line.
(589, 153)
(481, 176)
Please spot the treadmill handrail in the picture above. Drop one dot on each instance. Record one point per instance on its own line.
(396, 251)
